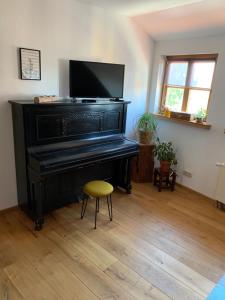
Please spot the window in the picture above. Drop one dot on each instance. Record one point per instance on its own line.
(187, 82)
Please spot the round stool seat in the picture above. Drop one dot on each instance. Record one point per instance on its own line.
(98, 188)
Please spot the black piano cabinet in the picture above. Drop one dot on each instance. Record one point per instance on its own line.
(60, 146)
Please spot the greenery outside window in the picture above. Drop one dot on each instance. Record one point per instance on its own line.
(187, 82)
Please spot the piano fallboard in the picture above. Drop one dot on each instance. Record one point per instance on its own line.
(45, 162)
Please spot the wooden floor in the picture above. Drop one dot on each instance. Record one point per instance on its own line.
(159, 246)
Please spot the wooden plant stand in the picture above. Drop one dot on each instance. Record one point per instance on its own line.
(142, 166)
(165, 180)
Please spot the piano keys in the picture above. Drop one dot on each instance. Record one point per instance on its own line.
(60, 146)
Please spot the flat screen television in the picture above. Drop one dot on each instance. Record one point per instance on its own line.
(96, 80)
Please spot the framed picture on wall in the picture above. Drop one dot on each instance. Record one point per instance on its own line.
(30, 64)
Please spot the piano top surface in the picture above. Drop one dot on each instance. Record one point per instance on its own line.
(69, 102)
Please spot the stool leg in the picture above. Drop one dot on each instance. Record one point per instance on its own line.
(83, 208)
(98, 205)
(109, 202)
(96, 211)
(110, 197)
(107, 198)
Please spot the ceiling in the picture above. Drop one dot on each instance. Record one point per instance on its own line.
(197, 19)
(167, 19)
(137, 7)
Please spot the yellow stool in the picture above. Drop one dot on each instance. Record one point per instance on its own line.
(97, 189)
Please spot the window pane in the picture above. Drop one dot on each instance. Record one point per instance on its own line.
(174, 98)
(202, 74)
(197, 100)
(177, 73)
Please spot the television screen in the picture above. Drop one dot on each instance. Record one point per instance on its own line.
(96, 80)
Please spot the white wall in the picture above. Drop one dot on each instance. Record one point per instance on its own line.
(63, 30)
(198, 150)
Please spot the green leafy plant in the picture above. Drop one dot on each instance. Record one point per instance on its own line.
(147, 122)
(201, 114)
(164, 151)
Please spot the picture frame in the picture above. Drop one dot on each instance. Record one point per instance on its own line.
(30, 64)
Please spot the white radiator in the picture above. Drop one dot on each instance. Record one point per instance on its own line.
(220, 186)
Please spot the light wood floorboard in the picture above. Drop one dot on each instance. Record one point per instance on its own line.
(159, 246)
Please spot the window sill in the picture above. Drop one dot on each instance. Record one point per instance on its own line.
(184, 122)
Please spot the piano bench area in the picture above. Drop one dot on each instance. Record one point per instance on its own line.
(97, 189)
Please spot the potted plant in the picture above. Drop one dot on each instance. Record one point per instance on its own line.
(146, 127)
(166, 154)
(201, 115)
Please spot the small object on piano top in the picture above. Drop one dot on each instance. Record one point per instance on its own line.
(45, 99)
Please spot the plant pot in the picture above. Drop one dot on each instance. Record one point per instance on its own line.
(164, 166)
(199, 120)
(145, 137)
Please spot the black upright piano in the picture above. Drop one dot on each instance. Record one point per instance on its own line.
(62, 145)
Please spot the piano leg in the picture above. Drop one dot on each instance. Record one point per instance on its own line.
(128, 176)
(38, 225)
(129, 188)
(39, 190)
(123, 175)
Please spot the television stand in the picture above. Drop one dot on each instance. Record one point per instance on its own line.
(116, 100)
(77, 100)
(88, 100)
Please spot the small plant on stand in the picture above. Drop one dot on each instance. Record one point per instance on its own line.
(166, 155)
(146, 128)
